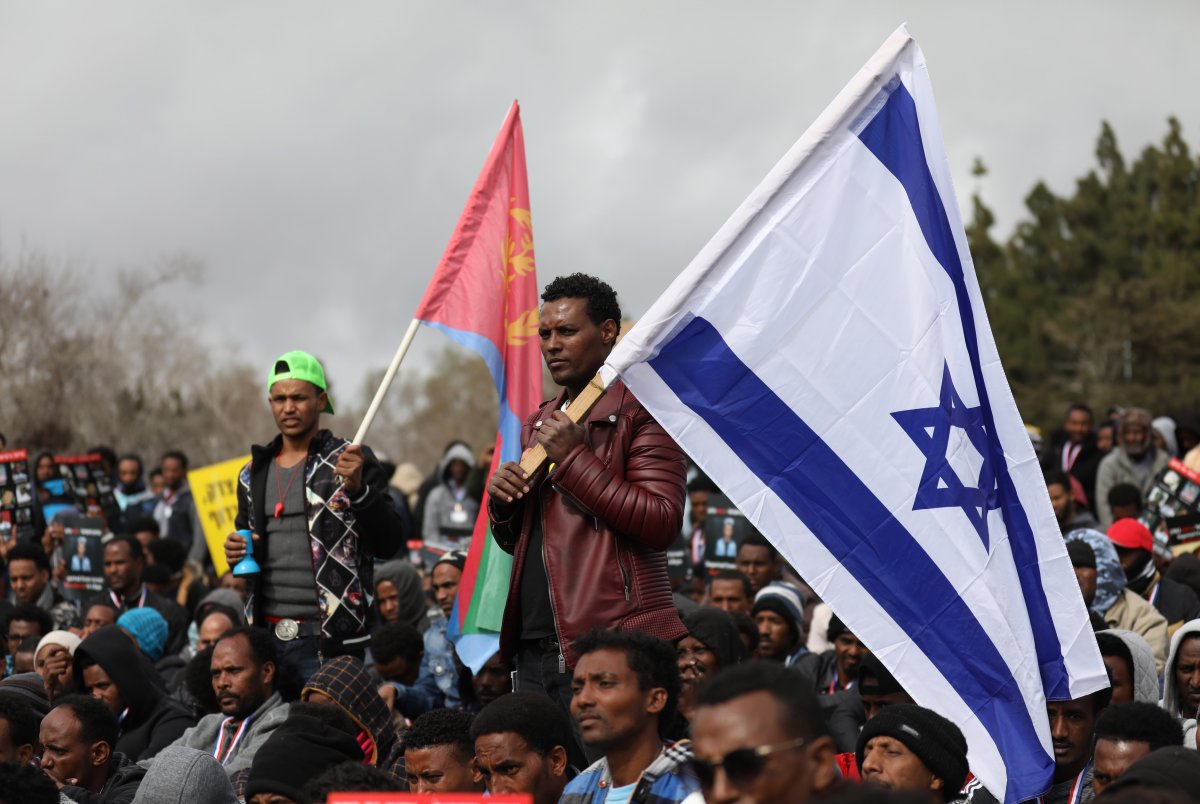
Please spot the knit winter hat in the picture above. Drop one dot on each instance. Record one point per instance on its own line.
(936, 741)
(874, 678)
(64, 638)
(149, 628)
(455, 558)
(785, 600)
(182, 774)
(1171, 768)
(301, 748)
(27, 687)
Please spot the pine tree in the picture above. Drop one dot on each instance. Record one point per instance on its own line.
(1094, 296)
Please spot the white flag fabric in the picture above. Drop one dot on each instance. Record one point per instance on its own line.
(827, 361)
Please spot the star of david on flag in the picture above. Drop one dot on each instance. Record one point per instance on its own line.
(931, 430)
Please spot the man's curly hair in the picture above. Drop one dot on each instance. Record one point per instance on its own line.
(601, 298)
(441, 727)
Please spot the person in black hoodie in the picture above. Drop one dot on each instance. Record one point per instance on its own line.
(77, 740)
(110, 667)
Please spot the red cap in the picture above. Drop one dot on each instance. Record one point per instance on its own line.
(1128, 532)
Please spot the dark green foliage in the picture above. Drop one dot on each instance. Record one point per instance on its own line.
(1096, 295)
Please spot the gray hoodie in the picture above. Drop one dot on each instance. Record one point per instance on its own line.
(203, 736)
(1145, 676)
(1171, 697)
(446, 511)
(181, 774)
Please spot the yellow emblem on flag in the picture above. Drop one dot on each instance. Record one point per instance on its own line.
(517, 260)
(523, 328)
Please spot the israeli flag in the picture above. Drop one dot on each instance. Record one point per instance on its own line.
(827, 360)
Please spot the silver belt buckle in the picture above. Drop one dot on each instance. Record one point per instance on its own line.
(286, 630)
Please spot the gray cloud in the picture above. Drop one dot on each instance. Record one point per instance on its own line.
(316, 156)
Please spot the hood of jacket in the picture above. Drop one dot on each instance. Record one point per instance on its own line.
(181, 774)
(407, 580)
(1170, 700)
(345, 681)
(224, 600)
(1145, 672)
(1165, 426)
(1110, 578)
(114, 651)
(457, 452)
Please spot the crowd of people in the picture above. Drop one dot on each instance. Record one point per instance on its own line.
(333, 667)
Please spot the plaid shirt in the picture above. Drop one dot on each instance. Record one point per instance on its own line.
(666, 781)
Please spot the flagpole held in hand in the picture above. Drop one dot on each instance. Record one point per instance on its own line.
(580, 406)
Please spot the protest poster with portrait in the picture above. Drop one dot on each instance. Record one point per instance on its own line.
(724, 528)
(83, 553)
(1173, 507)
(89, 485)
(16, 497)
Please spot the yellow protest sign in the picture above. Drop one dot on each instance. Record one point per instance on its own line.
(214, 488)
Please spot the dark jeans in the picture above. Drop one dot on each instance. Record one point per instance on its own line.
(297, 660)
(538, 671)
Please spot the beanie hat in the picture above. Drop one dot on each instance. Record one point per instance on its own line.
(785, 600)
(27, 687)
(1081, 553)
(455, 558)
(1170, 768)
(874, 678)
(64, 638)
(300, 749)
(182, 774)
(718, 632)
(149, 628)
(935, 740)
(836, 628)
(1130, 533)
(1185, 569)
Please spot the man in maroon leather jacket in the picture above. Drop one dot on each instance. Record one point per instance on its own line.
(588, 539)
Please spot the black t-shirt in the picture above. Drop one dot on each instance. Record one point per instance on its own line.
(537, 617)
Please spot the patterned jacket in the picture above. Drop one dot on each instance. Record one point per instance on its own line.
(667, 779)
(346, 682)
(344, 535)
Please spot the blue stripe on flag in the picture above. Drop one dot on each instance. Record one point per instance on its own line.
(894, 136)
(510, 422)
(851, 522)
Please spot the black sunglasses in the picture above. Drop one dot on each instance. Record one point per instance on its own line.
(742, 766)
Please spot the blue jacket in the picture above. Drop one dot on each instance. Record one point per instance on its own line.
(437, 685)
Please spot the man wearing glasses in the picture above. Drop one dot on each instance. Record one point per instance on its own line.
(758, 736)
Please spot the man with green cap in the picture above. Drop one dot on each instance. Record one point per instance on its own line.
(319, 511)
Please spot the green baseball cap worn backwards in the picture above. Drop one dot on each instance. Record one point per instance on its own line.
(299, 365)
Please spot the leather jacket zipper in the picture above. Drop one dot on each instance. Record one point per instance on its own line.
(624, 573)
(562, 660)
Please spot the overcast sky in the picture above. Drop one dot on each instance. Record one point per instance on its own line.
(315, 156)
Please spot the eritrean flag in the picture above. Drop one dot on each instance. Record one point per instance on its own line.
(484, 296)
